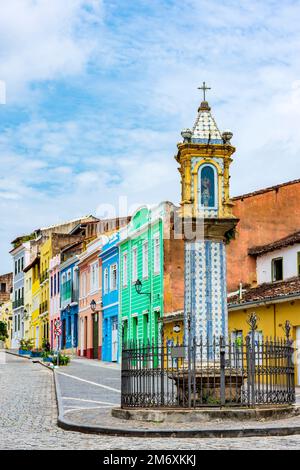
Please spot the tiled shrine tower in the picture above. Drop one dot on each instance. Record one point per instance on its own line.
(204, 157)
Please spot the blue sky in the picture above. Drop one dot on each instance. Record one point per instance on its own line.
(98, 92)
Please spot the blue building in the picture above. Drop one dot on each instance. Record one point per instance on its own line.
(110, 299)
(69, 297)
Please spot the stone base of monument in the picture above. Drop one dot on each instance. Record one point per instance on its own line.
(209, 386)
(201, 415)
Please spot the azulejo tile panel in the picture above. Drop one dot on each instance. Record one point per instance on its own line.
(205, 289)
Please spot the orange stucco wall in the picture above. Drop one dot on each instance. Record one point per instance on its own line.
(265, 216)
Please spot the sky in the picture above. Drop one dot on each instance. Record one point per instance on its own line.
(98, 91)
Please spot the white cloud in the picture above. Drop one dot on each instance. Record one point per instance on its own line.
(44, 40)
(144, 60)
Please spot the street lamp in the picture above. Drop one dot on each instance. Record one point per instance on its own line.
(138, 288)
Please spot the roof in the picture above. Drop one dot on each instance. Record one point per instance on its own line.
(265, 190)
(205, 128)
(84, 219)
(268, 292)
(281, 243)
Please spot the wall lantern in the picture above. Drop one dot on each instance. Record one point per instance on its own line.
(93, 305)
(176, 329)
(138, 287)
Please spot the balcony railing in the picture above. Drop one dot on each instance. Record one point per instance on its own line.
(43, 276)
(18, 303)
(44, 307)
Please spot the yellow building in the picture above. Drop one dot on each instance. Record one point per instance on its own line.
(34, 323)
(276, 298)
(6, 316)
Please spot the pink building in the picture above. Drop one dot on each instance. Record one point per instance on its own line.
(54, 296)
(90, 301)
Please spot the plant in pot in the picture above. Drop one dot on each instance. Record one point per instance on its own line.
(63, 360)
(25, 346)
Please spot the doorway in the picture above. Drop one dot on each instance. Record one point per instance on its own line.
(114, 340)
(95, 336)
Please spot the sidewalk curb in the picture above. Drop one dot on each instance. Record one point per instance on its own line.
(30, 359)
(179, 433)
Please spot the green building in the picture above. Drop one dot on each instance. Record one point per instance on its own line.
(142, 259)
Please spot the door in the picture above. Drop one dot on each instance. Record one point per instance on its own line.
(95, 336)
(37, 334)
(298, 354)
(64, 334)
(114, 341)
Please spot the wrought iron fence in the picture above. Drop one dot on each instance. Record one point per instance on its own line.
(246, 372)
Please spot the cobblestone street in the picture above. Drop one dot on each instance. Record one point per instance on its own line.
(28, 416)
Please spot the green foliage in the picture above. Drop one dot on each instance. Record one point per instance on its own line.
(26, 344)
(46, 345)
(63, 360)
(230, 235)
(24, 239)
(3, 331)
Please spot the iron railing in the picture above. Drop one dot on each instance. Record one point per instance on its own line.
(248, 371)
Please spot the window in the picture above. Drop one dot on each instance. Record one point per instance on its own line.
(3, 287)
(105, 287)
(94, 276)
(207, 186)
(156, 254)
(22, 264)
(277, 269)
(134, 264)
(19, 265)
(145, 259)
(298, 263)
(51, 286)
(113, 277)
(83, 285)
(16, 267)
(125, 269)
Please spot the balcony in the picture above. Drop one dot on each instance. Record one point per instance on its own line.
(44, 276)
(18, 303)
(44, 307)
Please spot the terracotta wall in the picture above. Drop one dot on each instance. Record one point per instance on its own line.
(265, 216)
(6, 279)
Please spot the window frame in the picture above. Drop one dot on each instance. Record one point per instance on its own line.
(145, 259)
(134, 264)
(125, 269)
(156, 256)
(113, 268)
(279, 258)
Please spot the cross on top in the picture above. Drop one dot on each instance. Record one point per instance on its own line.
(204, 88)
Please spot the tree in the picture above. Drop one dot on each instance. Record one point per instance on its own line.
(3, 331)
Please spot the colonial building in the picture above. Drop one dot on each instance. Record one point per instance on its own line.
(6, 287)
(151, 263)
(54, 305)
(69, 295)
(264, 216)
(7, 317)
(109, 256)
(90, 301)
(276, 297)
(21, 257)
(32, 300)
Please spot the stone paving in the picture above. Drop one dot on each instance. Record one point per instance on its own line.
(28, 417)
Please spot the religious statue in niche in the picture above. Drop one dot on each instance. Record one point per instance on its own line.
(207, 182)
